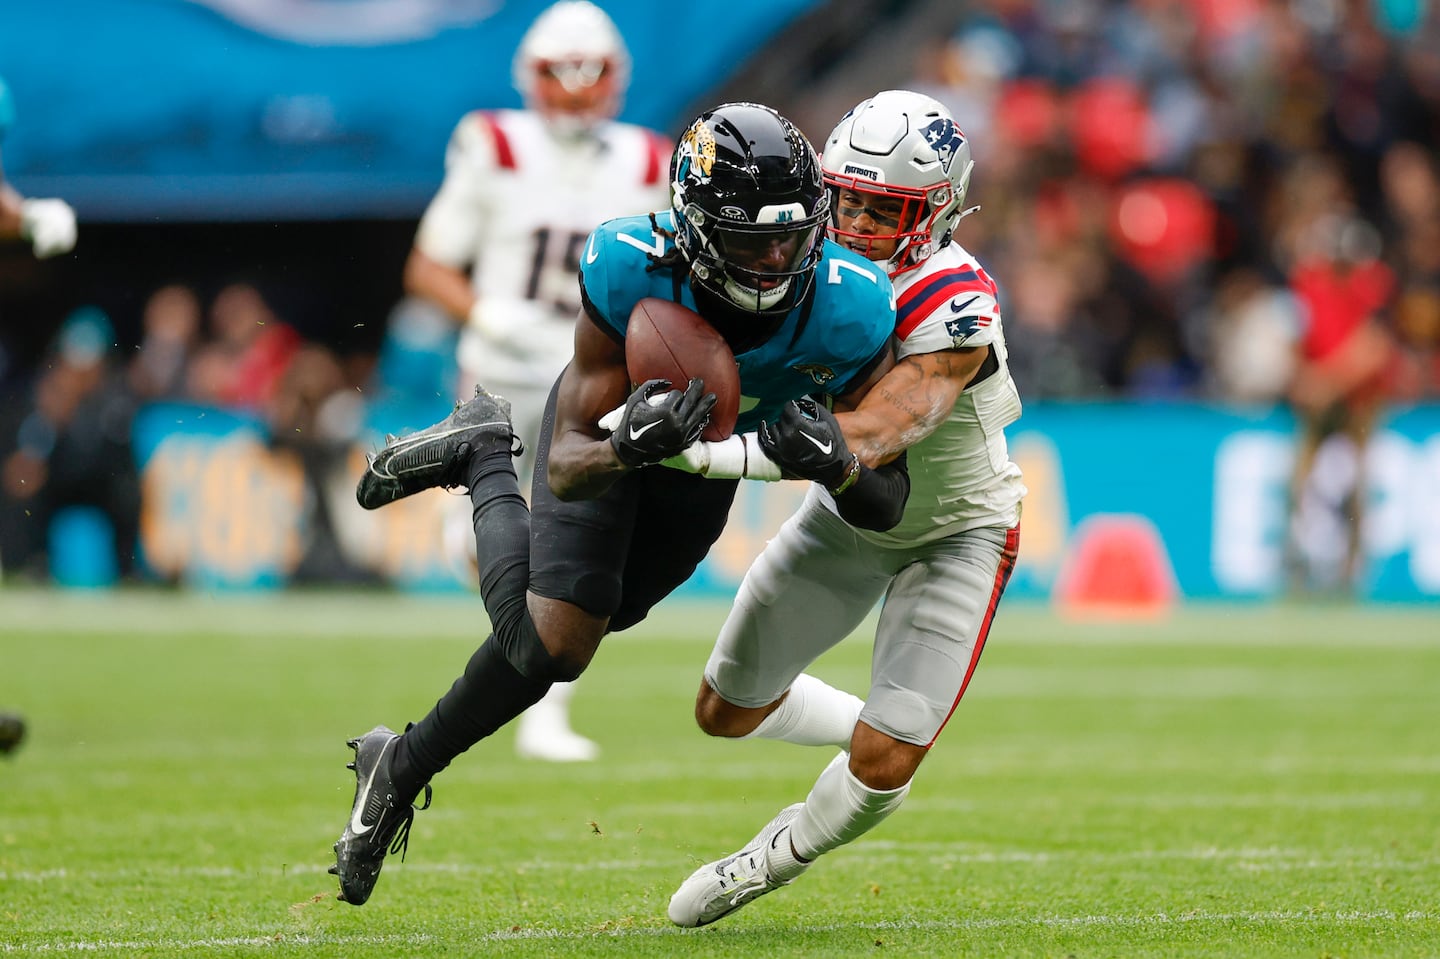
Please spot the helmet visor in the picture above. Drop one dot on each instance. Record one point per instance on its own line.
(877, 221)
(575, 74)
(766, 250)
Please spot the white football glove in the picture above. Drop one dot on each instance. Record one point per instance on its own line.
(49, 225)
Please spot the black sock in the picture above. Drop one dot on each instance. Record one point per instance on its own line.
(487, 695)
(491, 691)
(502, 536)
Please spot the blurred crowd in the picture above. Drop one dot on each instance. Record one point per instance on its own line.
(1224, 199)
(66, 432)
(1235, 201)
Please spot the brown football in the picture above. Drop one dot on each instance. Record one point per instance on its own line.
(667, 341)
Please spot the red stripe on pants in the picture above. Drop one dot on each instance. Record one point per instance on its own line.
(1002, 577)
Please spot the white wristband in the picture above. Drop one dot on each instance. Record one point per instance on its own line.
(694, 458)
(739, 457)
(758, 466)
(727, 458)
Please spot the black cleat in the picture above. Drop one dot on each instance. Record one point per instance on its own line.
(436, 455)
(12, 731)
(379, 820)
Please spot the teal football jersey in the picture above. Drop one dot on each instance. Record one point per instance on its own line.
(852, 317)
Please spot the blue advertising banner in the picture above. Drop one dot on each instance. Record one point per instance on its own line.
(1206, 489)
(1215, 485)
(295, 109)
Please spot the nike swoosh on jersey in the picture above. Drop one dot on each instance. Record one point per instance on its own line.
(637, 432)
(358, 827)
(591, 254)
(957, 309)
(824, 447)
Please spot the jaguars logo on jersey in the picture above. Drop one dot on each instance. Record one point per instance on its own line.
(697, 150)
(820, 374)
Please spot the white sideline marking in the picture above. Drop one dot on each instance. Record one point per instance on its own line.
(1267, 918)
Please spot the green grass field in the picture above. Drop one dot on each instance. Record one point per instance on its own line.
(1232, 782)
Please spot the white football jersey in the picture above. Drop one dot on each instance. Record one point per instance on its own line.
(516, 206)
(961, 475)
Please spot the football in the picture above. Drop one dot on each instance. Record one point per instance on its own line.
(664, 340)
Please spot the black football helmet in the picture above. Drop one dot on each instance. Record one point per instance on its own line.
(750, 206)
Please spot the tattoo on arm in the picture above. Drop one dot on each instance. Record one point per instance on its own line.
(911, 401)
(922, 391)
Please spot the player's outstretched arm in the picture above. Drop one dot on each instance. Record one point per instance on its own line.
(908, 403)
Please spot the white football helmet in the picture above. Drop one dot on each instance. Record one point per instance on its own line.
(572, 66)
(900, 158)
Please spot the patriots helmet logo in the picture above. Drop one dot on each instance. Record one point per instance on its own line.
(945, 138)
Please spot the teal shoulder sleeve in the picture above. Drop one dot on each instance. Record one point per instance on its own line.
(613, 267)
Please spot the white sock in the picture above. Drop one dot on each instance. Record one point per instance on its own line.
(840, 808)
(559, 695)
(813, 714)
(780, 861)
(551, 712)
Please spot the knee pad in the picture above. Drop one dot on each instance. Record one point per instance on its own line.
(524, 649)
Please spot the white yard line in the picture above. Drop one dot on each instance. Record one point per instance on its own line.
(875, 852)
(1157, 920)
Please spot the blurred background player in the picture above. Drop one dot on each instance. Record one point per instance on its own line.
(898, 169)
(499, 246)
(48, 225)
(1346, 356)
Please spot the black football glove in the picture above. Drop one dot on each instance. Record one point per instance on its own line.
(659, 422)
(806, 442)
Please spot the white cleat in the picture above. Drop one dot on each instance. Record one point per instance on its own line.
(717, 889)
